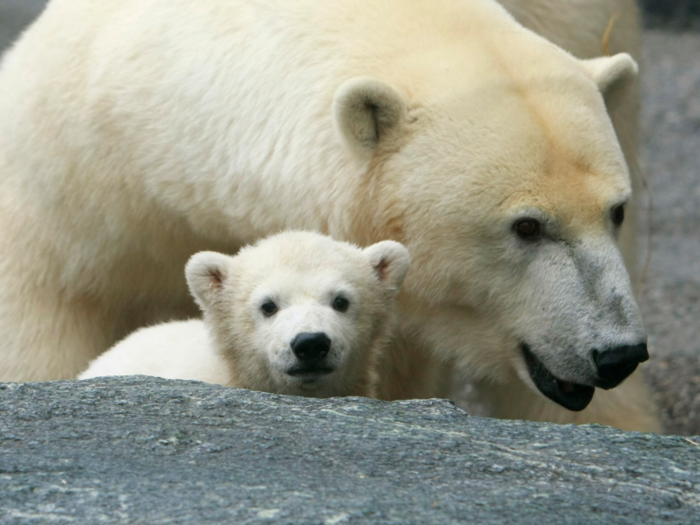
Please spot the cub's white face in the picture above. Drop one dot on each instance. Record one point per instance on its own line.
(308, 328)
(299, 313)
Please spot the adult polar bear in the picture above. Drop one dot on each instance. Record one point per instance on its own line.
(135, 133)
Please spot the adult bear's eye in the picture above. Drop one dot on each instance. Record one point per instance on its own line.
(341, 304)
(618, 215)
(269, 309)
(529, 229)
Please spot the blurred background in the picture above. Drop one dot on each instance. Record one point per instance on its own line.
(678, 14)
(670, 155)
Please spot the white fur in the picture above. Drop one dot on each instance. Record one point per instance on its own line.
(613, 76)
(238, 345)
(168, 127)
(175, 350)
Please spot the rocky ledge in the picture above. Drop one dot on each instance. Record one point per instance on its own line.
(144, 450)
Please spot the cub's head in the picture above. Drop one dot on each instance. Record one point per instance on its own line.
(299, 313)
(499, 169)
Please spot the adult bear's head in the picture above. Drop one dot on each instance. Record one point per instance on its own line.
(504, 178)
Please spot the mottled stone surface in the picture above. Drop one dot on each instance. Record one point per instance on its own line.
(145, 450)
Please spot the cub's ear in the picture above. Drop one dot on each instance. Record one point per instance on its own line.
(365, 110)
(206, 274)
(613, 75)
(390, 261)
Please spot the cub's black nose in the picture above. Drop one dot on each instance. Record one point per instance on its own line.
(309, 347)
(616, 364)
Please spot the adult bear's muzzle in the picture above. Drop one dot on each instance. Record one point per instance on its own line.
(616, 364)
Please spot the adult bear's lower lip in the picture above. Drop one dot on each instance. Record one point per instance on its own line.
(569, 395)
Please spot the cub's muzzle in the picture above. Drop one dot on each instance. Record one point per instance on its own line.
(310, 350)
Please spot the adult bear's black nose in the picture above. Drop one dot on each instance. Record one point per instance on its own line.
(310, 347)
(616, 364)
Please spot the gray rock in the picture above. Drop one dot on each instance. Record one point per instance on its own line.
(145, 450)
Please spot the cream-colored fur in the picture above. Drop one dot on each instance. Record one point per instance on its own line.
(588, 30)
(238, 344)
(580, 28)
(134, 133)
(174, 350)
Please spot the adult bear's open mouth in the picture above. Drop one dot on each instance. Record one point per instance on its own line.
(569, 395)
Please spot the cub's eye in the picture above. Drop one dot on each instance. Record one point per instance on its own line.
(341, 304)
(269, 309)
(618, 215)
(529, 229)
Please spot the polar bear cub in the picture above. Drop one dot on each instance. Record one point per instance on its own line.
(297, 313)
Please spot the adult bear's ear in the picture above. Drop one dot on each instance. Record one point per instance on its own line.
(390, 261)
(613, 75)
(365, 111)
(206, 273)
